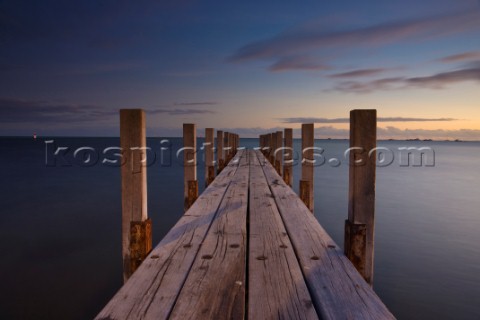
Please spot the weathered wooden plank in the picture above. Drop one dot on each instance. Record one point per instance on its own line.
(361, 196)
(215, 287)
(337, 289)
(152, 290)
(134, 180)
(276, 288)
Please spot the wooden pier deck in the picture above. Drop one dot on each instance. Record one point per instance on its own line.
(248, 248)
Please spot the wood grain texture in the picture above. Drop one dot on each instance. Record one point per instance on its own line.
(288, 165)
(134, 177)
(220, 151)
(276, 288)
(337, 289)
(209, 159)
(215, 287)
(152, 290)
(308, 142)
(362, 171)
(189, 160)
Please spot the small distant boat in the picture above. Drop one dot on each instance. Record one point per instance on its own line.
(34, 135)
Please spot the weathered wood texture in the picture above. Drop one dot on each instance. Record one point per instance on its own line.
(151, 291)
(247, 248)
(308, 161)
(276, 288)
(288, 157)
(190, 164)
(209, 159)
(361, 199)
(215, 287)
(134, 179)
(220, 151)
(338, 291)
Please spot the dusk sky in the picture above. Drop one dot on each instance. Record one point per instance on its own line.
(66, 67)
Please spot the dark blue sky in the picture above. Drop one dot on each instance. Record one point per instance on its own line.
(66, 67)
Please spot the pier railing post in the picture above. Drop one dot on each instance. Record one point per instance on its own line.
(273, 145)
(279, 153)
(288, 157)
(306, 183)
(359, 228)
(190, 164)
(136, 227)
(220, 153)
(209, 161)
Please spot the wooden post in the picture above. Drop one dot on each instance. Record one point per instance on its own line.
(220, 154)
(274, 147)
(288, 165)
(307, 164)
(227, 147)
(359, 228)
(190, 164)
(136, 227)
(268, 146)
(279, 153)
(209, 161)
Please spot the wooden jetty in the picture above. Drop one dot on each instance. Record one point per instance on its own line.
(250, 248)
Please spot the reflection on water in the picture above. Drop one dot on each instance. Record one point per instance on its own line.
(60, 228)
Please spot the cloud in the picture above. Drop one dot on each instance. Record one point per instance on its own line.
(200, 103)
(37, 111)
(180, 111)
(435, 81)
(297, 63)
(465, 56)
(305, 39)
(24, 111)
(359, 73)
(347, 120)
(383, 133)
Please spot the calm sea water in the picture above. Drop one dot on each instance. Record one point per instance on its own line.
(60, 227)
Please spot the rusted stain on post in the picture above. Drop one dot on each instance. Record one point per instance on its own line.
(140, 242)
(356, 244)
(192, 193)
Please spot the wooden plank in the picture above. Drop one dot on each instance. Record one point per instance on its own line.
(152, 290)
(209, 161)
(134, 179)
(288, 163)
(276, 288)
(308, 160)
(215, 287)
(189, 163)
(338, 291)
(220, 151)
(361, 196)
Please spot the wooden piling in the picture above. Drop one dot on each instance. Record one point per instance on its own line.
(273, 148)
(288, 157)
(134, 191)
(279, 153)
(190, 164)
(268, 146)
(227, 147)
(209, 160)
(307, 164)
(359, 228)
(220, 153)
